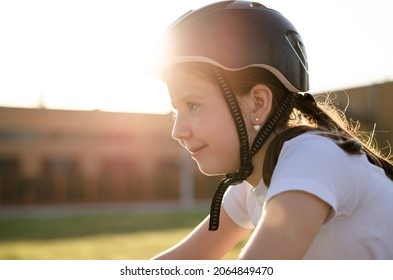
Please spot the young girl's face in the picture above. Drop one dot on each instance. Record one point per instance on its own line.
(203, 123)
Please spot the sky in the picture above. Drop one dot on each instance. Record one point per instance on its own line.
(96, 54)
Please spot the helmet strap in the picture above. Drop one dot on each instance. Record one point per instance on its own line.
(285, 104)
(246, 167)
(246, 154)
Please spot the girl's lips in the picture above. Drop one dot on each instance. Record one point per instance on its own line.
(194, 151)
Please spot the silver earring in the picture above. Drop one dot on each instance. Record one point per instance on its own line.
(256, 127)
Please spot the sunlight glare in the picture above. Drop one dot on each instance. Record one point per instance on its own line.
(96, 55)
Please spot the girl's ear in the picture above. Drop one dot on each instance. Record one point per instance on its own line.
(262, 98)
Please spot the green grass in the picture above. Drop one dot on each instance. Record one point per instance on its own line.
(105, 237)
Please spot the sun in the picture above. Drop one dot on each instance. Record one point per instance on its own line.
(86, 63)
(133, 87)
(146, 94)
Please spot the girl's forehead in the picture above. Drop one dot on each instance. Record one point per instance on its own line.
(192, 86)
(189, 72)
(182, 88)
(181, 79)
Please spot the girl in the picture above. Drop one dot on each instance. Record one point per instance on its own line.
(298, 174)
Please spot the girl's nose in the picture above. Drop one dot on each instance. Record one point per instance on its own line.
(181, 129)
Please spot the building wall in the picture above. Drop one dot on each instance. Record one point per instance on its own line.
(55, 156)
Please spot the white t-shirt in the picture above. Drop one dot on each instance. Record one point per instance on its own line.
(360, 223)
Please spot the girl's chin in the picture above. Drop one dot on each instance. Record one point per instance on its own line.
(209, 171)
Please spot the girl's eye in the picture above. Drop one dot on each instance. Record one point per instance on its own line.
(192, 106)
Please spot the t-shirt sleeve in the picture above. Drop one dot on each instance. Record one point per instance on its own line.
(313, 164)
(234, 203)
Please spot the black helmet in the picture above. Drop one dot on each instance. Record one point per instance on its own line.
(239, 34)
(234, 35)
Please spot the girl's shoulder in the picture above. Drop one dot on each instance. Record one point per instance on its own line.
(311, 136)
(313, 142)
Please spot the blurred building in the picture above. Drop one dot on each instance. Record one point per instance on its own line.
(60, 157)
(57, 156)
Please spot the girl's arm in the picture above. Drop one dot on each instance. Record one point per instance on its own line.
(289, 225)
(204, 244)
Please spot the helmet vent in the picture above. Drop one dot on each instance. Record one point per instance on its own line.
(297, 46)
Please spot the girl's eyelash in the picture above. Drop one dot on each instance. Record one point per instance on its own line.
(192, 106)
